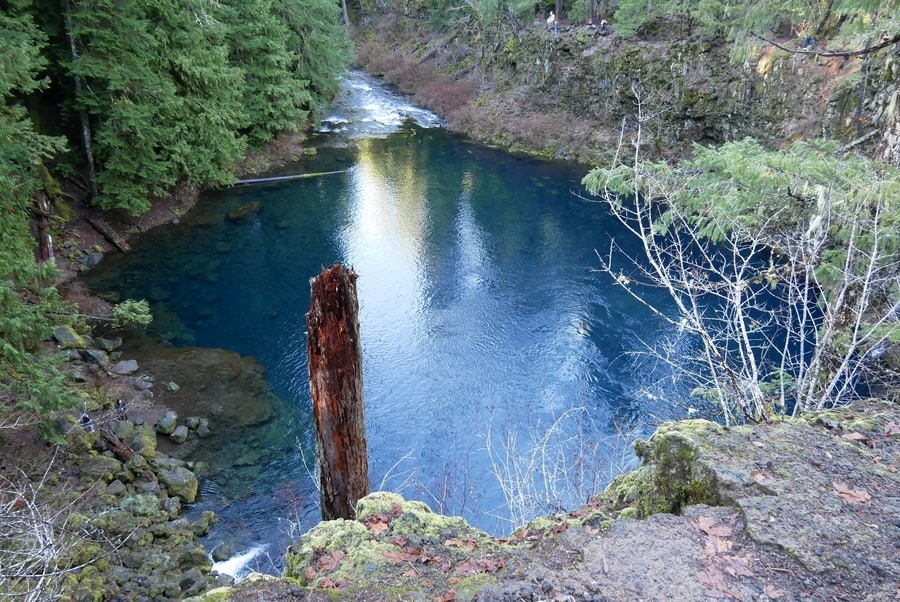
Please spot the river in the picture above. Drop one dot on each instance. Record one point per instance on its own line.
(502, 371)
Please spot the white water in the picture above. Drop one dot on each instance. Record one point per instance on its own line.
(363, 109)
(238, 566)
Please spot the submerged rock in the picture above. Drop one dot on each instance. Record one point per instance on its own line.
(245, 212)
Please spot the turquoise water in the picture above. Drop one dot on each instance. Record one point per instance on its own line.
(487, 330)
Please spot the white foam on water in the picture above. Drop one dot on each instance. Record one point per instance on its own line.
(238, 565)
(365, 109)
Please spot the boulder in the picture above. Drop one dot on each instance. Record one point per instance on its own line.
(108, 345)
(180, 482)
(390, 530)
(125, 367)
(180, 434)
(67, 338)
(166, 426)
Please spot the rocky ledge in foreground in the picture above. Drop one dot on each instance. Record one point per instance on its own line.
(803, 509)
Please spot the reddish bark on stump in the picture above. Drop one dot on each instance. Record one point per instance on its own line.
(335, 381)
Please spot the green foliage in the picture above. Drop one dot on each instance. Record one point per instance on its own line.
(172, 90)
(29, 305)
(859, 21)
(163, 98)
(134, 312)
(771, 193)
(740, 20)
(320, 46)
(633, 15)
(176, 90)
(805, 226)
(273, 101)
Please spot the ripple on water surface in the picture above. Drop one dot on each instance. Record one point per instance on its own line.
(486, 329)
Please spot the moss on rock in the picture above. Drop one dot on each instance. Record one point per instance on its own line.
(390, 532)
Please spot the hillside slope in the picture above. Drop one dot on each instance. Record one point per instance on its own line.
(571, 94)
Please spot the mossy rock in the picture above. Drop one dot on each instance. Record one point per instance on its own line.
(673, 473)
(67, 338)
(349, 554)
(219, 594)
(101, 468)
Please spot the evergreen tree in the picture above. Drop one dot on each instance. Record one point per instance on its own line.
(320, 46)
(273, 100)
(125, 96)
(204, 124)
(164, 102)
(29, 305)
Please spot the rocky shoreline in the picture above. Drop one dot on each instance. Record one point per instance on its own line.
(116, 498)
(802, 509)
(125, 462)
(118, 487)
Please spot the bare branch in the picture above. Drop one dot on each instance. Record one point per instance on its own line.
(829, 53)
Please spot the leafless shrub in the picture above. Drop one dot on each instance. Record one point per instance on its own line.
(557, 468)
(446, 96)
(37, 538)
(775, 331)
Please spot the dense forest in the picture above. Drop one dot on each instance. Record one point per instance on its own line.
(120, 101)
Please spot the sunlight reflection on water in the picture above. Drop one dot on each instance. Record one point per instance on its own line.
(481, 316)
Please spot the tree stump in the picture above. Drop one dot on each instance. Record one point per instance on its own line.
(335, 381)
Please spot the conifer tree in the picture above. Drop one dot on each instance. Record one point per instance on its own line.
(320, 45)
(163, 99)
(274, 100)
(29, 305)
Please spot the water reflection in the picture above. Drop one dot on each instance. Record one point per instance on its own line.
(486, 331)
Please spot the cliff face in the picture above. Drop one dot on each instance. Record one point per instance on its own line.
(799, 509)
(569, 94)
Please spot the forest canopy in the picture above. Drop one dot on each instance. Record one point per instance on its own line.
(124, 99)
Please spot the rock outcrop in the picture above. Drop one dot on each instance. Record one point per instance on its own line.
(802, 508)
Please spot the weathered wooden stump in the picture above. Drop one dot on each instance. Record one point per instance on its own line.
(335, 380)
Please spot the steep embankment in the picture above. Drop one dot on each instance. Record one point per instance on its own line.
(800, 509)
(569, 95)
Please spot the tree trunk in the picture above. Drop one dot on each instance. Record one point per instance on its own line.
(335, 381)
(889, 147)
(41, 210)
(85, 121)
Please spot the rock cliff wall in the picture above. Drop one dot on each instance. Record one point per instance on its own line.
(569, 94)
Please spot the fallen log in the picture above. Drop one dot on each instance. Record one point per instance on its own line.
(109, 232)
(121, 451)
(298, 176)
